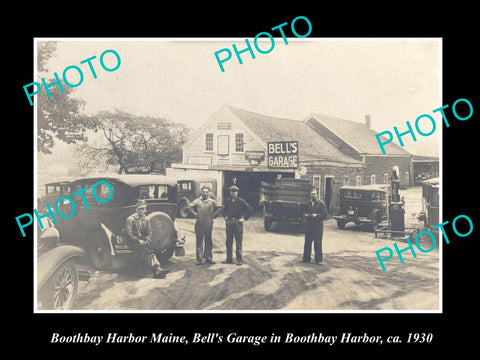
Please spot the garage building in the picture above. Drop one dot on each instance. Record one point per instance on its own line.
(231, 147)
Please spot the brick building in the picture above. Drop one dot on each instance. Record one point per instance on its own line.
(358, 141)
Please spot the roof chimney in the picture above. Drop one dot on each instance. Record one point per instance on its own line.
(368, 121)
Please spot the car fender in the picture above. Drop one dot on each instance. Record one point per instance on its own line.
(51, 260)
(109, 236)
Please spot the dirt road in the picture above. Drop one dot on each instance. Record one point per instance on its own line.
(272, 278)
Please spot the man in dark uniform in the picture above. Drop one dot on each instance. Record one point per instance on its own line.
(235, 213)
(315, 212)
(204, 209)
(139, 237)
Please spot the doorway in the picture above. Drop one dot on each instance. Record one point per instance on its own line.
(249, 184)
(328, 192)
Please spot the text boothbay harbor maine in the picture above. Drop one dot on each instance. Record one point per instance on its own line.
(235, 338)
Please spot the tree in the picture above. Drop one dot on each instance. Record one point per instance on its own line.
(45, 50)
(133, 144)
(60, 115)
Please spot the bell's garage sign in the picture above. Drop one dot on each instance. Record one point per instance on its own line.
(282, 154)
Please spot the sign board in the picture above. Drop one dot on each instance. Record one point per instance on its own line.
(282, 154)
(254, 157)
(224, 126)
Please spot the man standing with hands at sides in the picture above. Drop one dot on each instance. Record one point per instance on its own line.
(315, 212)
(204, 209)
(236, 212)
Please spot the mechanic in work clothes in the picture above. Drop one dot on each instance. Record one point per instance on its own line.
(139, 237)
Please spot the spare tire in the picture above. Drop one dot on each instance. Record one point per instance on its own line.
(164, 234)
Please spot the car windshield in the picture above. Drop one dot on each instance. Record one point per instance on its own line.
(153, 192)
(102, 192)
(52, 189)
(352, 194)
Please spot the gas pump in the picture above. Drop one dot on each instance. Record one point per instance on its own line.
(396, 207)
(396, 210)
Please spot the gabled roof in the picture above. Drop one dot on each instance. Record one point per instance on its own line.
(356, 135)
(312, 146)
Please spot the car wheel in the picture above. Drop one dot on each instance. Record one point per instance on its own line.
(59, 291)
(99, 252)
(267, 222)
(182, 209)
(341, 224)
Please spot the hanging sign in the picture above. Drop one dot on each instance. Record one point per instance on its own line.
(282, 154)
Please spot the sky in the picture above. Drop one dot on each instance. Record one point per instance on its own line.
(392, 80)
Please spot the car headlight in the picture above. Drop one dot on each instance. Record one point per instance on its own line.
(49, 237)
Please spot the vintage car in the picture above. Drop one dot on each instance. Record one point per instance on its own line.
(100, 228)
(57, 272)
(191, 189)
(420, 178)
(430, 203)
(54, 191)
(366, 204)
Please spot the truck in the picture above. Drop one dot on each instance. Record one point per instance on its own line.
(283, 201)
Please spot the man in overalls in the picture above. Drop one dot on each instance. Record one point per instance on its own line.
(204, 209)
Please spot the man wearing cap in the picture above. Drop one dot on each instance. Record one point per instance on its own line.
(139, 236)
(235, 213)
(204, 209)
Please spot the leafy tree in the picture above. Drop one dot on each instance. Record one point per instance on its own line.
(132, 144)
(45, 50)
(58, 117)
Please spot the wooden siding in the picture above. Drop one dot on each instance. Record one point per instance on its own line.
(218, 127)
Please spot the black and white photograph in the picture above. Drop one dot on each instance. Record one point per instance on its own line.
(177, 184)
(224, 180)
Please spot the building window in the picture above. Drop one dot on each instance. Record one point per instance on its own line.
(346, 180)
(209, 142)
(239, 143)
(358, 180)
(407, 179)
(372, 179)
(385, 178)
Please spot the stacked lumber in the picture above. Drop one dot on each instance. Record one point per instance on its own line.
(287, 190)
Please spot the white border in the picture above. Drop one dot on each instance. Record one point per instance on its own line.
(386, 39)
